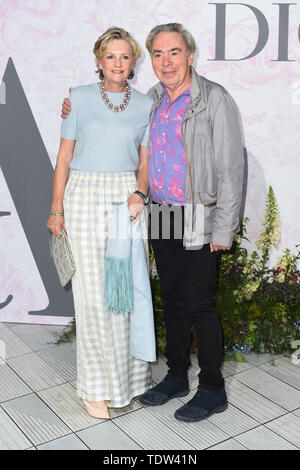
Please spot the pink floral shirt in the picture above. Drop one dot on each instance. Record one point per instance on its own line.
(167, 158)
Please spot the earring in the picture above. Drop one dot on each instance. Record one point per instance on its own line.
(131, 75)
(99, 71)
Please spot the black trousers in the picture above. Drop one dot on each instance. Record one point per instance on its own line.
(188, 279)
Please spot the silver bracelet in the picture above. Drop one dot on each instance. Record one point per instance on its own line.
(56, 213)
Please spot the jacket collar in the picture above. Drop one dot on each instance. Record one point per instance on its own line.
(196, 87)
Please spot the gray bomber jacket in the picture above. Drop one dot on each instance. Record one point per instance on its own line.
(212, 138)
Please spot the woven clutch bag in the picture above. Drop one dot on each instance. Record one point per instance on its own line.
(61, 253)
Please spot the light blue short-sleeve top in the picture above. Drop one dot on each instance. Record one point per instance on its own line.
(106, 141)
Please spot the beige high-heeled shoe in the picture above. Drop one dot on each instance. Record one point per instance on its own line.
(108, 404)
(97, 411)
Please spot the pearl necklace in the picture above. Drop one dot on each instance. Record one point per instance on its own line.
(107, 101)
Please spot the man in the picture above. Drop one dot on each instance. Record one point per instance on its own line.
(196, 169)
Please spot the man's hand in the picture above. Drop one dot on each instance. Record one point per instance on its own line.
(66, 107)
(214, 247)
(135, 206)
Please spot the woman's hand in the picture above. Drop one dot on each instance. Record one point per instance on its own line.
(135, 206)
(55, 224)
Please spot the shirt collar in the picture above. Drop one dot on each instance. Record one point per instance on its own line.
(186, 92)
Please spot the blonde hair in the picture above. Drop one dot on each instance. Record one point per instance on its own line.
(171, 28)
(105, 40)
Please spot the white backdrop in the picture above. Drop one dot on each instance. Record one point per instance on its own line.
(51, 43)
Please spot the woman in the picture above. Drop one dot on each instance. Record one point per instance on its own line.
(103, 143)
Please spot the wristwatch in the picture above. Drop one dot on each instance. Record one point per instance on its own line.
(145, 197)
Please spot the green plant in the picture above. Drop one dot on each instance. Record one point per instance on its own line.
(68, 334)
(259, 306)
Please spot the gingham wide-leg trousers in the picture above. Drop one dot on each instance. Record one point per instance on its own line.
(105, 368)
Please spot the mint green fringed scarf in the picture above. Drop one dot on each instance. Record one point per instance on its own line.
(118, 280)
(127, 284)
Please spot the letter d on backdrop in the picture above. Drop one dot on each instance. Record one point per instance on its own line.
(263, 30)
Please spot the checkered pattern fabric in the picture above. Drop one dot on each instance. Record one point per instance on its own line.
(105, 369)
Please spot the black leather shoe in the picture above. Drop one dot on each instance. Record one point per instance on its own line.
(166, 390)
(204, 404)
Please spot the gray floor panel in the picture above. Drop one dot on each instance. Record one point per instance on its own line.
(149, 432)
(34, 336)
(291, 360)
(68, 406)
(107, 436)
(35, 419)
(160, 369)
(70, 442)
(199, 435)
(11, 386)
(11, 438)
(35, 372)
(55, 330)
(233, 421)
(231, 444)
(116, 412)
(285, 371)
(263, 412)
(263, 439)
(72, 346)
(234, 367)
(14, 346)
(193, 379)
(259, 359)
(297, 412)
(288, 427)
(194, 360)
(271, 388)
(62, 360)
(251, 403)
